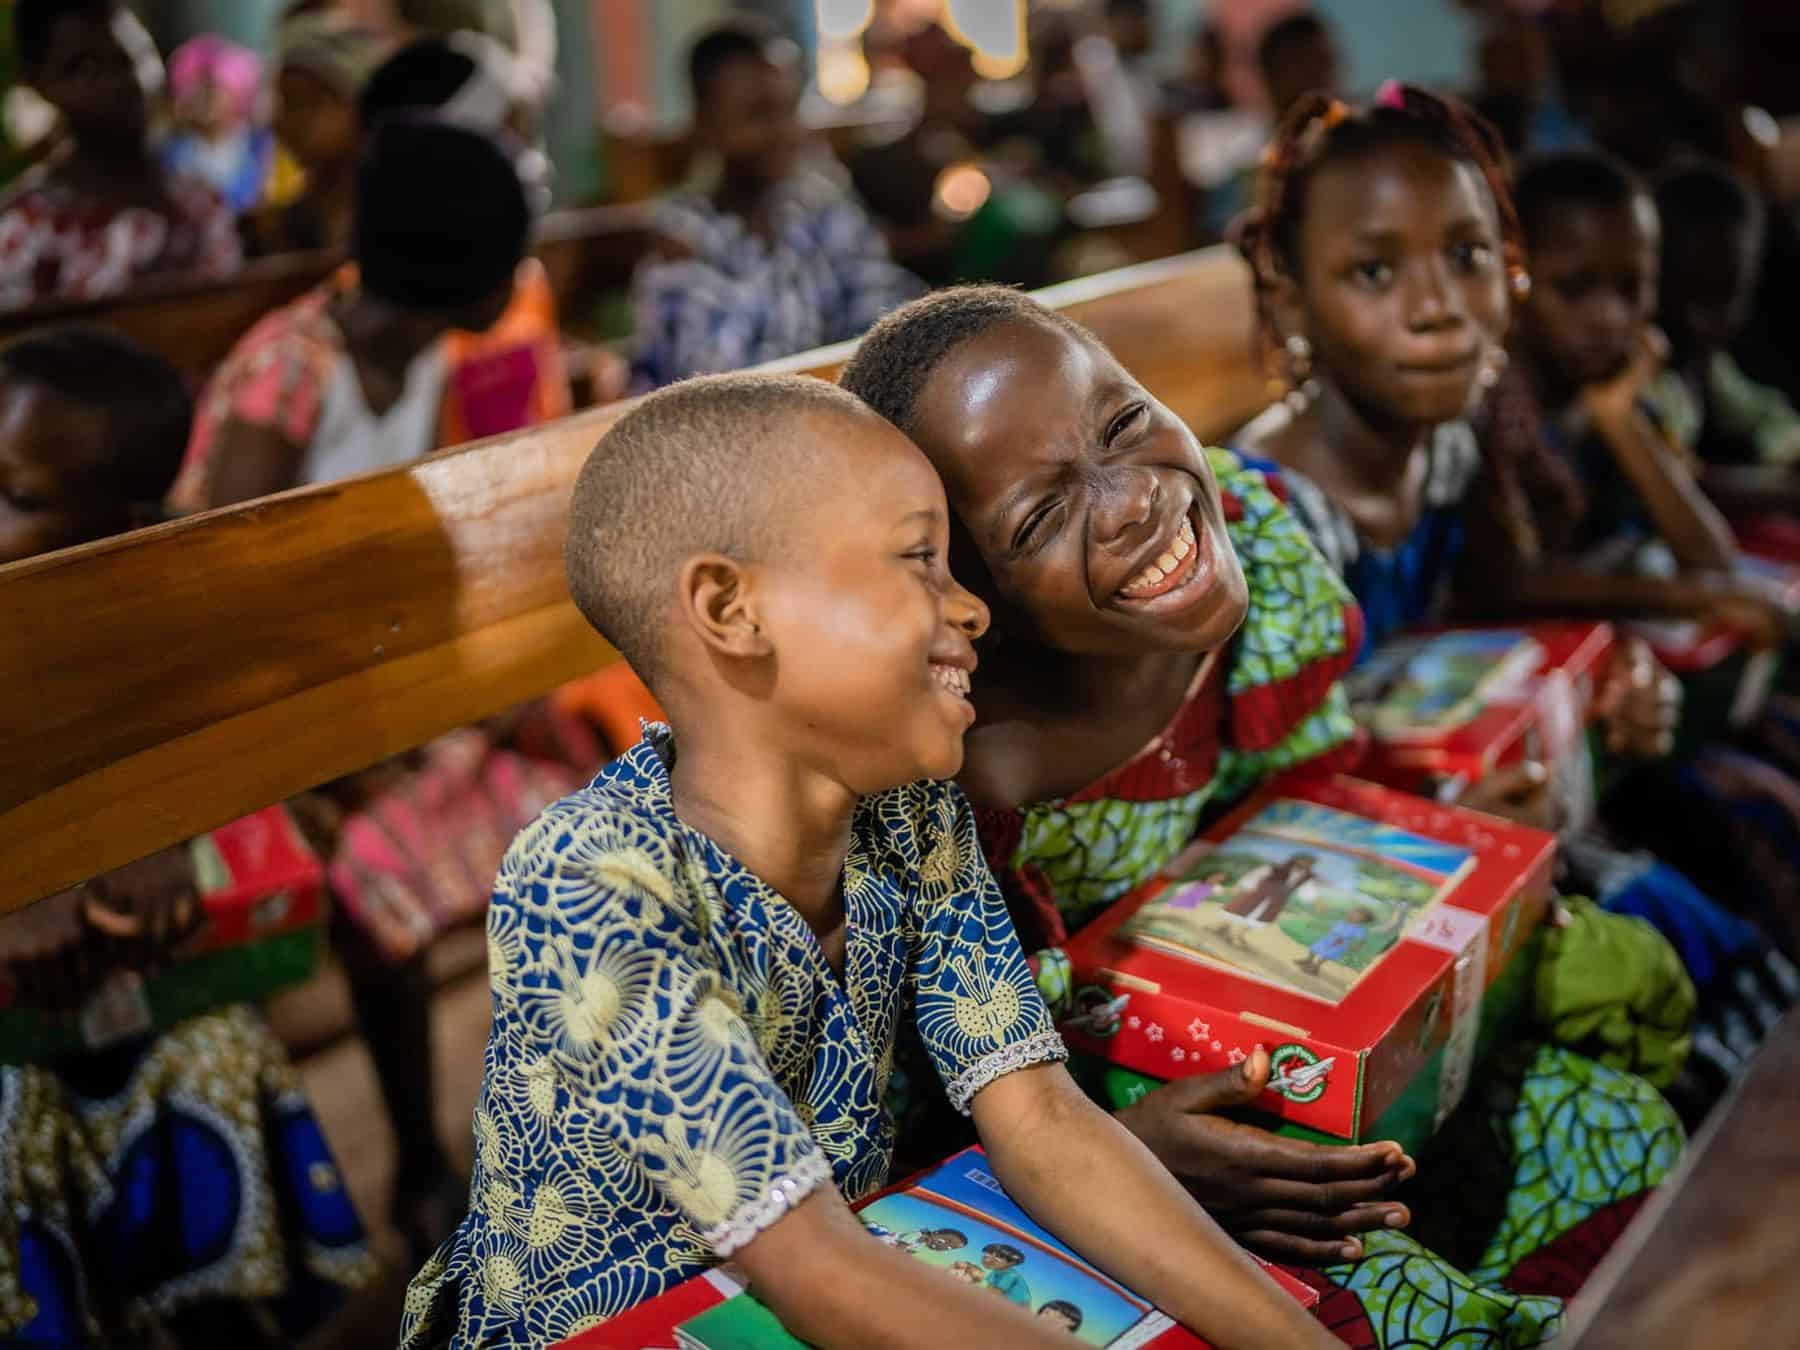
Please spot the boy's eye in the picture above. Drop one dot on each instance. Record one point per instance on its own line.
(1373, 274)
(1127, 419)
(20, 501)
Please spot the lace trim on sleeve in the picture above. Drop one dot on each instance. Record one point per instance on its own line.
(1042, 1048)
(751, 1217)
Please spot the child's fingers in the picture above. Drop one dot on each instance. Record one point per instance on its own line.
(1263, 1154)
(1295, 1223)
(1329, 1198)
(1300, 1251)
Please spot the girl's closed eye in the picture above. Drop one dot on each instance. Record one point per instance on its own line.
(1036, 527)
(1372, 273)
(1127, 419)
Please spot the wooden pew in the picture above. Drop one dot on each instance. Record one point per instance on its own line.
(1711, 1260)
(233, 659)
(194, 323)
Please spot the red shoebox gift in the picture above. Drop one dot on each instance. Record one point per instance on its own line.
(1453, 706)
(263, 894)
(1351, 929)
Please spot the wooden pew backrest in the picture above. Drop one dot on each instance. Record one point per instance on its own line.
(163, 682)
(194, 324)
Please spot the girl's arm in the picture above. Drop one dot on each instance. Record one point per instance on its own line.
(833, 1284)
(250, 461)
(1084, 1176)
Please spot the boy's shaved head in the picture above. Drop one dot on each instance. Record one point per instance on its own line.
(711, 465)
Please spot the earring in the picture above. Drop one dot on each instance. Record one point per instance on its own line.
(1521, 283)
(1302, 388)
(1492, 368)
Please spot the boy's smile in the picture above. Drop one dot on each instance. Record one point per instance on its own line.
(873, 640)
(1092, 507)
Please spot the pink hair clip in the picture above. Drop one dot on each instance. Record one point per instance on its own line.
(1392, 94)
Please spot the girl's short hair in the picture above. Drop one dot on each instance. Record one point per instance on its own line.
(898, 356)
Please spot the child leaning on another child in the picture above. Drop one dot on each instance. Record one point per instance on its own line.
(700, 962)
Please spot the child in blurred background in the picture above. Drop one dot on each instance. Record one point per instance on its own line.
(215, 88)
(765, 260)
(100, 211)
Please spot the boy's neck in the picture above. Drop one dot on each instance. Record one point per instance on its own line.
(787, 823)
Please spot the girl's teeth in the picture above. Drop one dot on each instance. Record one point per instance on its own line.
(1167, 563)
(1184, 543)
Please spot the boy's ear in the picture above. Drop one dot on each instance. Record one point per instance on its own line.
(718, 602)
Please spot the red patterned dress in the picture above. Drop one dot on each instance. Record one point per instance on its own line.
(57, 245)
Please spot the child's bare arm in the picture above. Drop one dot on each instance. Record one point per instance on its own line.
(832, 1284)
(250, 461)
(1690, 524)
(1084, 1176)
(1569, 591)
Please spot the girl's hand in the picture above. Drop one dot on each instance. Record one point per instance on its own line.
(1639, 703)
(1289, 1199)
(1518, 792)
(1607, 404)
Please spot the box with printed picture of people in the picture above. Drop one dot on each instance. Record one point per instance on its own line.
(1372, 941)
(956, 1217)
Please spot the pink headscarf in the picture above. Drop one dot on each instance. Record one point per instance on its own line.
(235, 71)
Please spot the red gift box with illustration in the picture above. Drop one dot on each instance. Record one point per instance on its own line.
(1448, 708)
(263, 893)
(1356, 932)
(948, 1216)
(1700, 652)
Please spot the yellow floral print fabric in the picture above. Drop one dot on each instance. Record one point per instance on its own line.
(673, 1063)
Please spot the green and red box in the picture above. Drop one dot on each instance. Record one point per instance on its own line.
(1397, 1049)
(263, 892)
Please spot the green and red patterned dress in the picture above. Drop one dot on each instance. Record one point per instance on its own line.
(1551, 1154)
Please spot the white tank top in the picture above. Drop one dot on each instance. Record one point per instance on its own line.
(350, 439)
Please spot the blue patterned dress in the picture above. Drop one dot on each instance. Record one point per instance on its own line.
(673, 1064)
